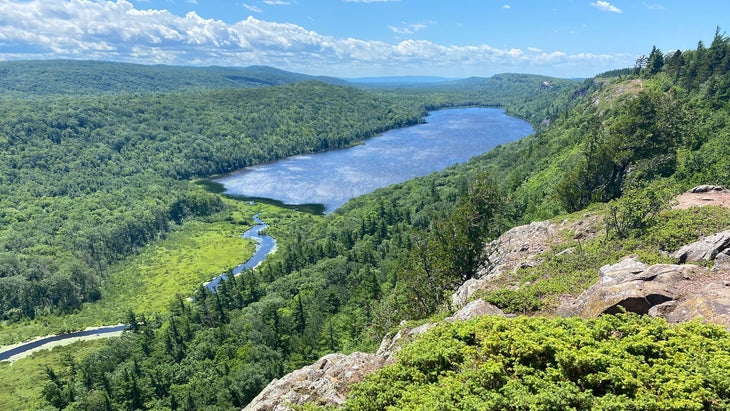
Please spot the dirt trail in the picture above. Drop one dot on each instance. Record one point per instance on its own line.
(713, 197)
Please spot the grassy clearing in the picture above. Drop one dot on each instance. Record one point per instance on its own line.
(149, 281)
(22, 382)
(145, 283)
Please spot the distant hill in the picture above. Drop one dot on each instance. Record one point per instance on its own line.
(395, 80)
(43, 78)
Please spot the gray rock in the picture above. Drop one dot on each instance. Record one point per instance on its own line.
(706, 188)
(704, 250)
(621, 271)
(711, 304)
(516, 248)
(522, 247)
(476, 308)
(633, 296)
(390, 345)
(669, 274)
(663, 309)
(326, 382)
(629, 285)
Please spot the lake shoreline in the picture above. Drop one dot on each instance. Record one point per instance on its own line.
(333, 177)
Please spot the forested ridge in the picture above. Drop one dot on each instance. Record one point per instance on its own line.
(535, 98)
(88, 181)
(617, 143)
(20, 79)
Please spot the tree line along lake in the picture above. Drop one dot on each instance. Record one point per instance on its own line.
(330, 179)
(325, 181)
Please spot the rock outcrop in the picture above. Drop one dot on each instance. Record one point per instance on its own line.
(391, 344)
(326, 382)
(676, 292)
(521, 247)
(476, 308)
(629, 286)
(706, 188)
(706, 249)
(711, 303)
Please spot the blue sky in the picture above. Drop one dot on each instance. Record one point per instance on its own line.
(356, 38)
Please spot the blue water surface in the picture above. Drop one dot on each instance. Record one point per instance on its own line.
(332, 178)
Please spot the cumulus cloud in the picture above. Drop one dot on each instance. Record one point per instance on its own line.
(117, 30)
(606, 6)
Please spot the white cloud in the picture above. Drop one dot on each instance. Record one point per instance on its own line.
(252, 8)
(410, 28)
(606, 6)
(277, 2)
(506, 7)
(117, 30)
(655, 7)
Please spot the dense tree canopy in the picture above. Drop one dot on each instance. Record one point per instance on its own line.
(338, 283)
(87, 181)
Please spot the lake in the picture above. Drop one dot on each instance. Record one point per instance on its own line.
(332, 178)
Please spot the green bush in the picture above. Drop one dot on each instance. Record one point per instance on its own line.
(514, 301)
(610, 363)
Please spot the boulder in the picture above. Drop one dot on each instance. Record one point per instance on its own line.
(663, 309)
(705, 188)
(623, 270)
(711, 304)
(704, 250)
(631, 286)
(476, 308)
(391, 344)
(326, 382)
(633, 296)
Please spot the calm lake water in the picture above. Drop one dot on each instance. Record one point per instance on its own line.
(332, 178)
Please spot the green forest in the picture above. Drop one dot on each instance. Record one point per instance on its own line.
(92, 181)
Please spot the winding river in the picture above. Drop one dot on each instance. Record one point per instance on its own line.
(265, 245)
(332, 178)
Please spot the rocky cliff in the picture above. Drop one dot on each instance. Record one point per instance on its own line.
(696, 288)
(327, 381)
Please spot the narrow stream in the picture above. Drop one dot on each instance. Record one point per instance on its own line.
(330, 179)
(265, 245)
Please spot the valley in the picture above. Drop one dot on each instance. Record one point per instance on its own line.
(106, 220)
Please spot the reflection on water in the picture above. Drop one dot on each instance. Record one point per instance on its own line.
(332, 178)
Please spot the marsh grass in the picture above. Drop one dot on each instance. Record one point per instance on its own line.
(21, 383)
(147, 283)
